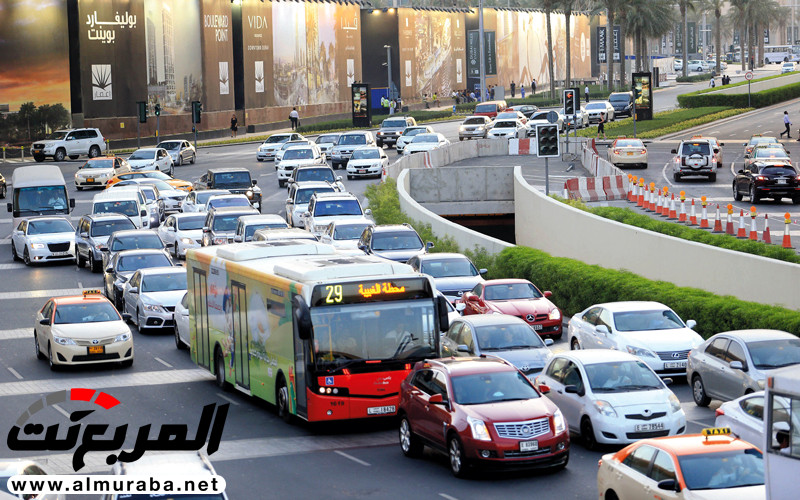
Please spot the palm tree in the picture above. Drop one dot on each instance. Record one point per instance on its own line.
(647, 20)
(548, 6)
(568, 7)
(609, 8)
(685, 5)
(739, 16)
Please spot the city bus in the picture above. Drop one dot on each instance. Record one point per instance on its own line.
(779, 54)
(309, 330)
(782, 433)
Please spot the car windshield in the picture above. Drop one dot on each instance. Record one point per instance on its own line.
(425, 138)
(149, 193)
(486, 108)
(722, 469)
(779, 170)
(487, 388)
(170, 145)
(411, 132)
(41, 198)
(106, 227)
(619, 97)
(505, 124)
(124, 207)
(104, 163)
(596, 105)
(366, 154)
(474, 121)
(541, 116)
(303, 196)
(291, 144)
(622, 376)
(768, 354)
(232, 179)
(274, 139)
(507, 114)
(135, 241)
(327, 139)
(85, 313)
(349, 231)
(191, 223)
(398, 329)
(130, 263)
(232, 201)
(351, 139)
(393, 124)
(508, 337)
(695, 148)
(406, 240)
(763, 140)
(58, 135)
(511, 291)
(166, 282)
(155, 174)
(336, 207)
(639, 321)
(448, 268)
(629, 143)
(49, 226)
(226, 222)
(143, 155)
(159, 184)
(298, 154)
(201, 197)
(314, 174)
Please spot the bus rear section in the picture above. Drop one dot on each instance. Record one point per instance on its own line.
(781, 444)
(38, 190)
(328, 336)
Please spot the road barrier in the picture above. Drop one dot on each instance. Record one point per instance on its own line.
(718, 222)
(787, 238)
(614, 187)
(741, 233)
(522, 147)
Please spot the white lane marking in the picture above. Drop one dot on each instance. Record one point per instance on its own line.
(9, 267)
(351, 457)
(15, 373)
(80, 284)
(664, 175)
(163, 362)
(34, 294)
(732, 170)
(767, 131)
(61, 410)
(226, 398)
(448, 497)
(695, 422)
(16, 333)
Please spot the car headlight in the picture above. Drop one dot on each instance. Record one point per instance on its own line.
(220, 241)
(37, 246)
(63, 340)
(187, 241)
(560, 423)
(605, 408)
(376, 165)
(674, 404)
(554, 314)
(461, 129)
(249, 193)
(153, 308)
(123, 337)
(760, 384)
(479, 430)
(638, 351)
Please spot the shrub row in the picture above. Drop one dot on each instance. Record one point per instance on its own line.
(665, 120)
(761, 99)
(694, 78)
(739, 84)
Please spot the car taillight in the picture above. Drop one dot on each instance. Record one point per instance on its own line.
(797, 178)
(761, 178)
(616, 151)
(643, 151)
(719, 412)
(599, 463)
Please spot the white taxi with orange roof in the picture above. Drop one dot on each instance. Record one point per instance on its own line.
(626, 151)
(82, 329)
(706, 466)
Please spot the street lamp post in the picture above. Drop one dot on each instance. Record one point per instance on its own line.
(481, 49)
(389, 68)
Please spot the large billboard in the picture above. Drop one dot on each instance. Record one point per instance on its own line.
(257, 45)
(289, 53)
(217, 44)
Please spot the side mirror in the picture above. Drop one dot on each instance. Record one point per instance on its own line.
(44, 321)
(302, 317)
(254, 182)
(443, 310)
(669, 485)
(716, 151)
(306, 214)
(429, 245)
(483, 271)
(462, 348)
(602, 329)
(170, 228)
(368, 212)
(104, 248)
(573, 389)
(737, 365)
(544, 389)
(72, 203)
(143, 213)
(691, 323)
(674, 151)
(126, 317)
(460, 307)
(84, 234)
(437, 399)
(237, 238)
(133, 289)
(288, 201)
(548, 342)
(362, 247)
(473, 298)
(109, 269)
(721, 143)
(548, 294)
(338, 178)
(206, 229)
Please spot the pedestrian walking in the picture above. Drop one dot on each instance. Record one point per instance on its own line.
(522, 90)
(392, 106)
(533, 86)
(491, 91)
(586, 93)
(713, 83)
(294, 117)
(234, 125)
(787, 123)
(601, 126)
(513, 88)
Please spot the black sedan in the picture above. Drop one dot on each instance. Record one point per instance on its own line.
(526, 109)
(760, 180)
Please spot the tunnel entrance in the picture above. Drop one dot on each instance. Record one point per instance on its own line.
(500, 226)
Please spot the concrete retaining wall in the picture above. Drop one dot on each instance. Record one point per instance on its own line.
(564, 231)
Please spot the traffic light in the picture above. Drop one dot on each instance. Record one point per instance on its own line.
(197, 109)
(569, 102)
(547, 145)
(158, 109)
(142, 111)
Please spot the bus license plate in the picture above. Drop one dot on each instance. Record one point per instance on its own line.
(96, 349)
(381, 410)
(675, 364)
(528, 445)
(649, 427)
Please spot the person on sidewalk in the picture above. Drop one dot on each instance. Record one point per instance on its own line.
(234, 125)
(513, 89)
(787, 123)
(586, 92)
(294, 117)
(522, 90)
(533, 86)
(601, 126)
(713, 83)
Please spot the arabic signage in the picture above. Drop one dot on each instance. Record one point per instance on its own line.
(691, 37)
(679, 38)
(602, 48)
(489, 53)
(217, 44)
(353, 292)
(29, 434)
(112, 38)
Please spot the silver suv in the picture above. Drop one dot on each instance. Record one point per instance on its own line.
(695, 157)
(392, 128)
(341, 152)
(72, 143)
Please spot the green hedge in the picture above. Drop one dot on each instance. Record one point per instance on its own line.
(663, 122)
(739, 84)
(576, 286)
(694, 78)
(761, 99)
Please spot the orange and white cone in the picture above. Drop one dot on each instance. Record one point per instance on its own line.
(659, 202)
(693, 215)
(640, 197)
(765, 237)
(665, 202)
(652, 205)
(741, 233)
(704, 216)
(672, 214)
(729, 225)
(787, 238)
(753, 229)
(631, 187)
(717, 222)
(682, 216)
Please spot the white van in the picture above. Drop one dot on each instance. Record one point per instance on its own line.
(38, 190)
(128, 202)
(781, 443)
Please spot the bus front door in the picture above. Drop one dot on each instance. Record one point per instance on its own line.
(301, 355)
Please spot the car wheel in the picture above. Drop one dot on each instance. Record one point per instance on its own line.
(79, 261)
(349, 177)
(259, 159)
(139, 322)
(219, 370)
(127, 363)
(712, 177)
(575, 345)
(460, 138)
(455, 454)
(97, 265)
(79, 188)
(118, 302)
(410, 444)
(94, 152)
(180, 160)
(282, 397)
(175, 251)
(699, 392)
(38, 158)
(73, 157)
(587, 434)
(676, 177)
(753, 196)
(178, 343)
(39, 354)
(60, 154)
(26, 257)
(14, 253)
(736, 194)
(3, 191)
(193, 158)
(53, 366)
(281, 183)
(562, 465)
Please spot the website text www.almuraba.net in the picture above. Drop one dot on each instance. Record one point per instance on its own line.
(126, 485)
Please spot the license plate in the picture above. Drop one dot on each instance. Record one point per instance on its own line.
(781, 181)
(675, 364)
(362, 171)
(536, 327)
(37, 150)
(59, 254)
(630, 154)
(649, 427)
(90, 179)
(96, 349)
(381, 410)
(528, 445)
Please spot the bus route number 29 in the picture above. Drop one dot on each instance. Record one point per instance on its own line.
(334, 294)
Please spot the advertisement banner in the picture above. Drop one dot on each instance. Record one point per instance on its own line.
(679, 38)
(426, 53)
(217, 43)
(473, 48)
(459, 58)
(691, 37)
(642, 83)
(362, 112)
(289, 53)
(348, 49)
(257, 45)
(601, 45)
(617, 32)
(112, 41)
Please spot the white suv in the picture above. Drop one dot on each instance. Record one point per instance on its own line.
(72, 143)
(324, 208)
(695, 157)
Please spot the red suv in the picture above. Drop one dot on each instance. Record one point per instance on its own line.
(480, 411)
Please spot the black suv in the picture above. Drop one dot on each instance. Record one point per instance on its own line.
(398, 242)
(622, 103)
(92, 234)
(235, 180)
(767, 180)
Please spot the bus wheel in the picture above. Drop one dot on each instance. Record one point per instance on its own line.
(282, 398)
(219, 370)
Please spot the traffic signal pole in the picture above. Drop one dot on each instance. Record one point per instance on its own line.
(547, 177)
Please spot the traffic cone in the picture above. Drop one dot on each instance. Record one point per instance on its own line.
(753, 229)
(565, 193)
(765, 235)
(665, 203)
(659, 203)
(631, 187)
(741, 233)
(704, 216)
(729, 224)
(672, 214)
(717, 222)
(787, 238)
(682, 216)
(692, 215)
(640, 199)
(652, 197)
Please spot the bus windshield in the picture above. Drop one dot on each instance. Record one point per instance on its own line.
(373, 331)
(40, 200)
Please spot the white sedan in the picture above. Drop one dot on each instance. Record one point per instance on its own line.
(345, 234)
(745, 418)
(649, 330)
(151, 159)
(508, 129)
(196, 200)
(597, 108)
(43, 239)
(611, 397)
(180, 232)
(367, 161)
(180, 317)
(425, 142)
(540, 118)
(150, 296)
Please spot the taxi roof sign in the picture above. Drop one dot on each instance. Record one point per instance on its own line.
(716, 431)
(94, 291)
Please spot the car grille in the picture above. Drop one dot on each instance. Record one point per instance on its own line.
(537, 318)
(95, 357)
(652, 416)
(523, 430)
(673, 355)
(521, 454)
(105, 341)
(38, 146)
(645, 435)
(58, 247)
